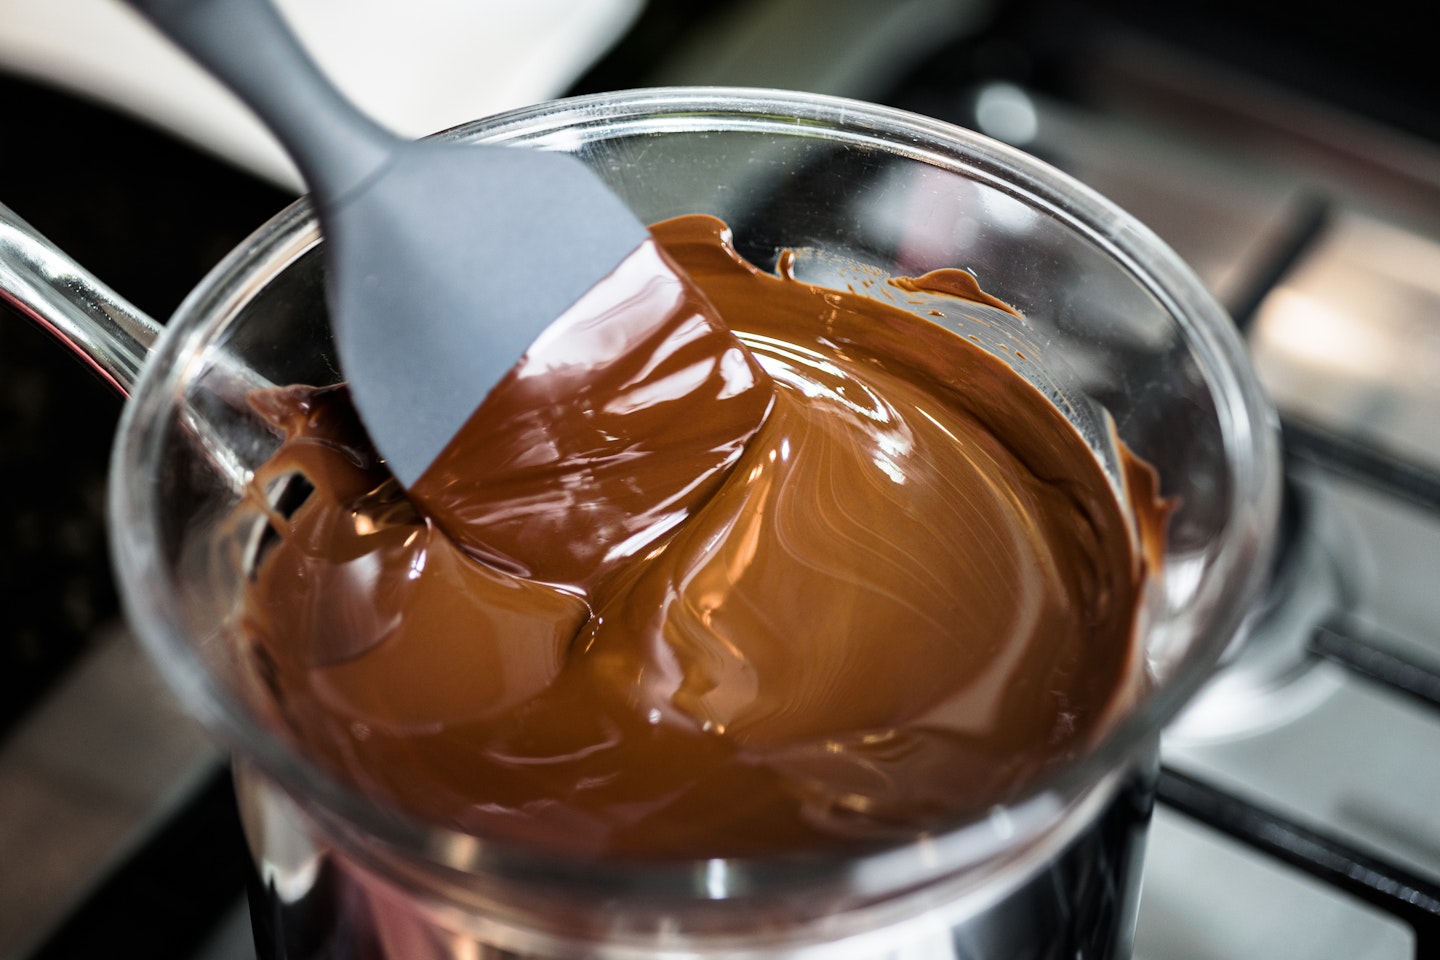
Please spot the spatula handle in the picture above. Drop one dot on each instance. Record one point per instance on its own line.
(249, 47)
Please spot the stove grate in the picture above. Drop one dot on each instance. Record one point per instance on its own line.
(1403, 895)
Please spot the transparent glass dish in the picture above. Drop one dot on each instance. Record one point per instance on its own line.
(1117, 330)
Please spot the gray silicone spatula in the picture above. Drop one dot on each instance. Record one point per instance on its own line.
(444, 262)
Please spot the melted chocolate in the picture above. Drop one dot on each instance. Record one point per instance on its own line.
(621, 419)
(910, 594)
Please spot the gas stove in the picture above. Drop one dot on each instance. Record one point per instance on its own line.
(1297, 813)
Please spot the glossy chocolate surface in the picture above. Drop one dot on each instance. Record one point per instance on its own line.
(909, 595)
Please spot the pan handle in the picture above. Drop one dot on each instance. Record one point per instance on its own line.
(101, 327)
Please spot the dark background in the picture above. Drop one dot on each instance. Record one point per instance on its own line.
(149, 217)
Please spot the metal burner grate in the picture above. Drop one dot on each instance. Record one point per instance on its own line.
(1403, 895)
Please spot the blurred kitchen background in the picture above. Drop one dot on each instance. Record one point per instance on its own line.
(1289, 151)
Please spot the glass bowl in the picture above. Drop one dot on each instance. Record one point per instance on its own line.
(1117, 330)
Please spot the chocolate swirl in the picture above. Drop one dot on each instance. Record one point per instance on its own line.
(909, 595)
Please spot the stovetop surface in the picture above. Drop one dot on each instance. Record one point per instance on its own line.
(1312, 212)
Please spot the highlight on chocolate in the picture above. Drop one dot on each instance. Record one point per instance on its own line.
(856, 582)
